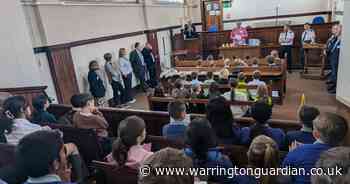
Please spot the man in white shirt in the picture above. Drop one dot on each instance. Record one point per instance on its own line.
(308, 37)
(286, 40)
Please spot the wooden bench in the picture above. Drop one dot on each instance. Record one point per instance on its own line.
(156, 120)
(108, 173)
(7, 155)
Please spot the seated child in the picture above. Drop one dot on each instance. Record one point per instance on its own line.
(194, 78)
(175, 130)
(214, 90)
(179, 90)
(210, 78)
(159, 91)
(40, 114)
(128, 149)
(256, 79)
(261, 113)
(307, 115)
(255, 62)
(271, 60)
(224, 74)
(262, 95)
(67, 118)
(197, 91)
(275, 54)
(237, 95)
(241, 81)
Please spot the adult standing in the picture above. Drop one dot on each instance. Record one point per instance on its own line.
(139, 66)
(115, 78)
(307, 37)
(239, 35)
(332, 53)
(151, 64)
(286, 40)
(126, 70)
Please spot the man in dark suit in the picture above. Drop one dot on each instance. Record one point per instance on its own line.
(139, 66)
(332, 53)
(151, 64)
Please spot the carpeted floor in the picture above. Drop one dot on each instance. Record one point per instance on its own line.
(314, 90)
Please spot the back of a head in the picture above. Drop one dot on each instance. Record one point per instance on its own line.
(332, 159)
(241, 76)
(14, 107)
(210, 75)
(194, 75)
(107, 56)
(263, 153)
(233, 83)
(332, 128)
(220, 117)
(261, 112)
(257, 74)
(168, 158)
(200, 137)
(270, 59)
(75, 101)
(82, 100)
(178, 83)
(159, 91)
(3, 97)
(39, 102)
(36, 152)
(308, 114)
(137, 44)
(176, 109)
(214, 88)
(128, 132)
(262, 91)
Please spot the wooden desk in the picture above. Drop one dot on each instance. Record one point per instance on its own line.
(240, 51)
(321, 61)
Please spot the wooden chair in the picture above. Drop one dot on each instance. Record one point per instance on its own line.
(108, 173)
(85, 139)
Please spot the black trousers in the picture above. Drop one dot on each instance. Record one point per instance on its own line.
(128, 88)
(118, 93)
(153, 76)
(302, 57)
(287, 50)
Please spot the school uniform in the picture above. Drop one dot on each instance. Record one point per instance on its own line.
(96, 84)
(139, 67)
(126, 70)
(333, 51)
(237, 111)
(304, 156)
(276, 134)
(151, 66)
(115, 78)
(286, 40)
(256, 82)
(41, 117)
(47, 179)
(21, 128)
(174, 130)
(215, 159)
(308, 36)
(303, 136)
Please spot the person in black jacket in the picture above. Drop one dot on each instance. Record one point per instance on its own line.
(97, 87)
(139, 66)
(151, 64)
(40, 115)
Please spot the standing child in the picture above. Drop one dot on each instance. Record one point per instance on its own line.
(97, 87)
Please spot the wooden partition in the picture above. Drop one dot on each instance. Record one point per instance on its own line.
(28, 92)
(156, 120)
(211, 42)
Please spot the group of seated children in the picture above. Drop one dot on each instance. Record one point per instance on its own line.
(42, 154)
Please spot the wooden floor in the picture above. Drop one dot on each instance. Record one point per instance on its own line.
(314, 90)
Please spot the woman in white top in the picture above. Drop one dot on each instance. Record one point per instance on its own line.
(126, 71)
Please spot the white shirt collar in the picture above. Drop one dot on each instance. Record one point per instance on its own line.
(50, 178)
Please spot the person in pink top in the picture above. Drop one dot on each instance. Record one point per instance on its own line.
(128, 149)
(239, 35)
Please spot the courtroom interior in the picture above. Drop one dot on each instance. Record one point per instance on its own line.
(115, 91)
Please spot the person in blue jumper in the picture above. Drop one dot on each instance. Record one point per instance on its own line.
(175, 130)
(329, 131)
(203, 150)
(42, 157)
(307, 115)
(261, 113)
(40, 115)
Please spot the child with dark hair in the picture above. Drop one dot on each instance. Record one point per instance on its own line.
(307, 115)
(67, 118)
(127, 149)
(261, 113)
(97, 87)
(210, 78)
(89, 117)
(159, 91)
(41, 155)
(222, 121)
(175, 130)
(214, 90)
(203, 150)
(329, 131)
(40, 115)
(179, 90)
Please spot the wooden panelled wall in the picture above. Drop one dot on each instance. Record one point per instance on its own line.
(27, 92)
(208, 43)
